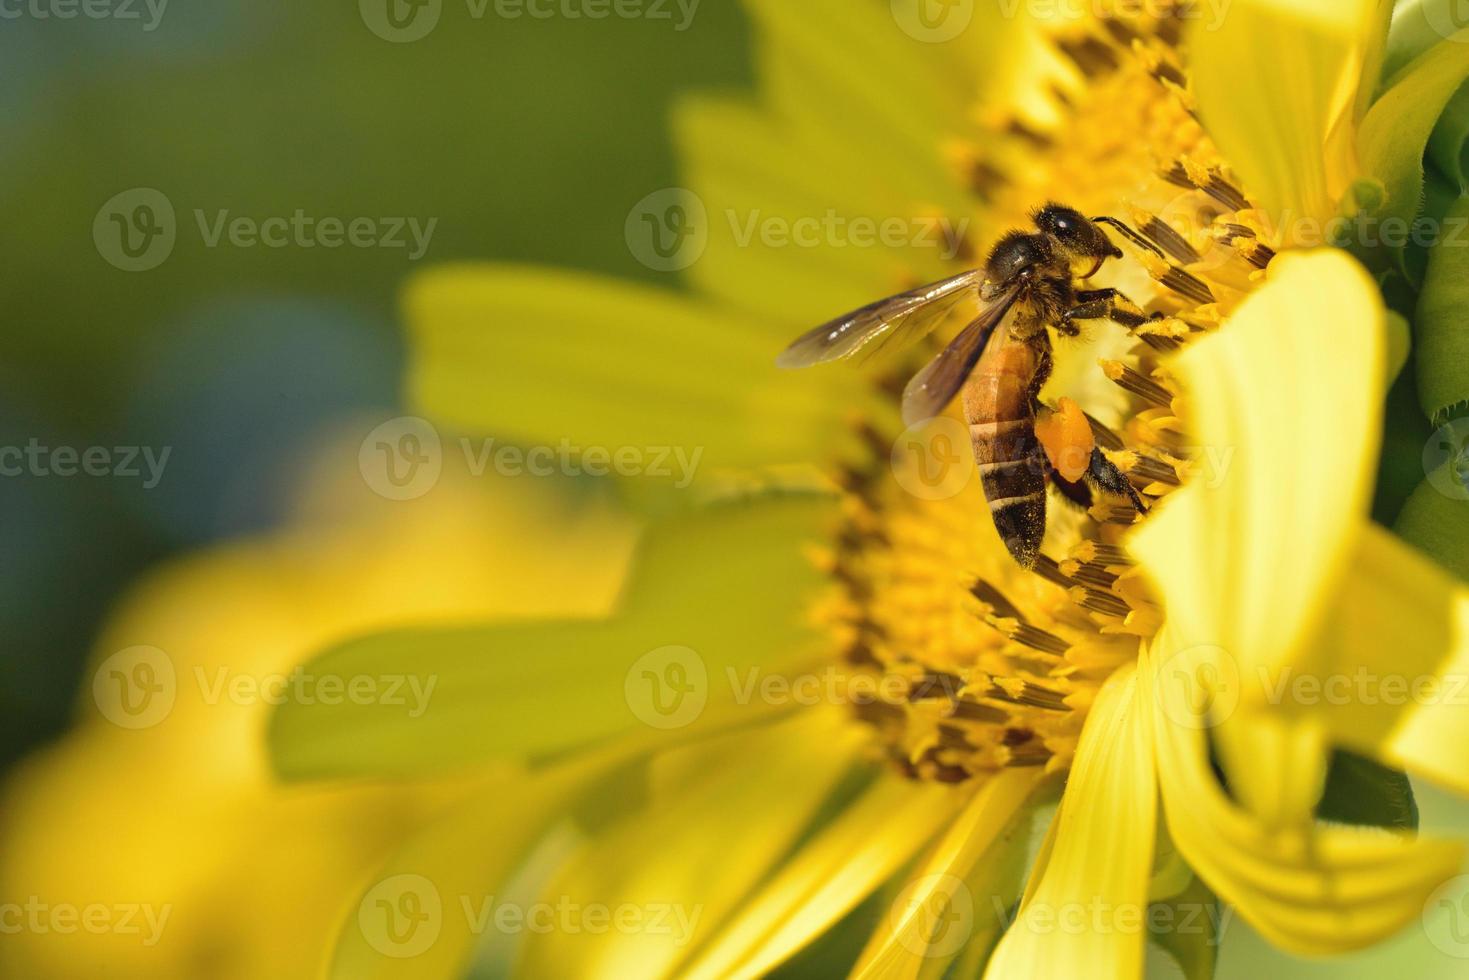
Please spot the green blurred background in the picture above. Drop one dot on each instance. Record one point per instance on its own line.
(527, 139)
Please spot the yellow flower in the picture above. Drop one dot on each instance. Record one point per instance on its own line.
(961, 691)
(156, 844)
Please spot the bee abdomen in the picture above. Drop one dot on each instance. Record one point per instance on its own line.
(1012, 469)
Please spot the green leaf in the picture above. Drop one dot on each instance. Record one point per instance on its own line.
(1437, 522)
(1442, 321)
(1187, 927)
(717, 600)
(1366, 793)
(1396, 129)
(1449, 146)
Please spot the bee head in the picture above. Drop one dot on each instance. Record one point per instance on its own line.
(1015, 257)
(1077, 237)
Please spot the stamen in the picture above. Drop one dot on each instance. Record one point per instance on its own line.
(1097, 553)
(1102, 602)
(1019, 691)
(1104, 436)
(1091, 54)
(1031, 636)
(996, 600)
(1131, 381)
(1134, 463)
(1164, 236)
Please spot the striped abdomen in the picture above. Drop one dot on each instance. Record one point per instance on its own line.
(999, 407)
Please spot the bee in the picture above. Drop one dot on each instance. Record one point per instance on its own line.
(1030, 283)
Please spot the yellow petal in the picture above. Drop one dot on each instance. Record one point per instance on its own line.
(1400, 644)
(1310, 890)
(1276, 82)
(569, 360)
(958, 892)
(1087, 915)
(692, 857)
(1287, 397)
(829, 876)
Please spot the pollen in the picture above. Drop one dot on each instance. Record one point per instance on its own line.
(984, 665)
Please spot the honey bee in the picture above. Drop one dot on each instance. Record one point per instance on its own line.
(1032, 275)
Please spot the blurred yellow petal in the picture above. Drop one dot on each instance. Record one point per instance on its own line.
(1310, 890)
(420, 915)
(557, 359)
(1395, 131)
(691, 859)
(1290, 389)
(1277, 84)
(829, 876)
(181, 814)
(947, 900)
(1087, 914)
(715, 595)
(1400, 637)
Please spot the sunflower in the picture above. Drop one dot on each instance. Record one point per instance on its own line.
(827, 680)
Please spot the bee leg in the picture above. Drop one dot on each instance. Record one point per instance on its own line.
(1105, 476)
(1102, 304)
(1077, 493)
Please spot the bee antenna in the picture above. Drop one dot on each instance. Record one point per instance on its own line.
(1129, 234)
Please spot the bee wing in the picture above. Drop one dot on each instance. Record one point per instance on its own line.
(935, 386)
(899, 319)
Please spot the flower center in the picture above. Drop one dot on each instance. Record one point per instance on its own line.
(975, 664)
